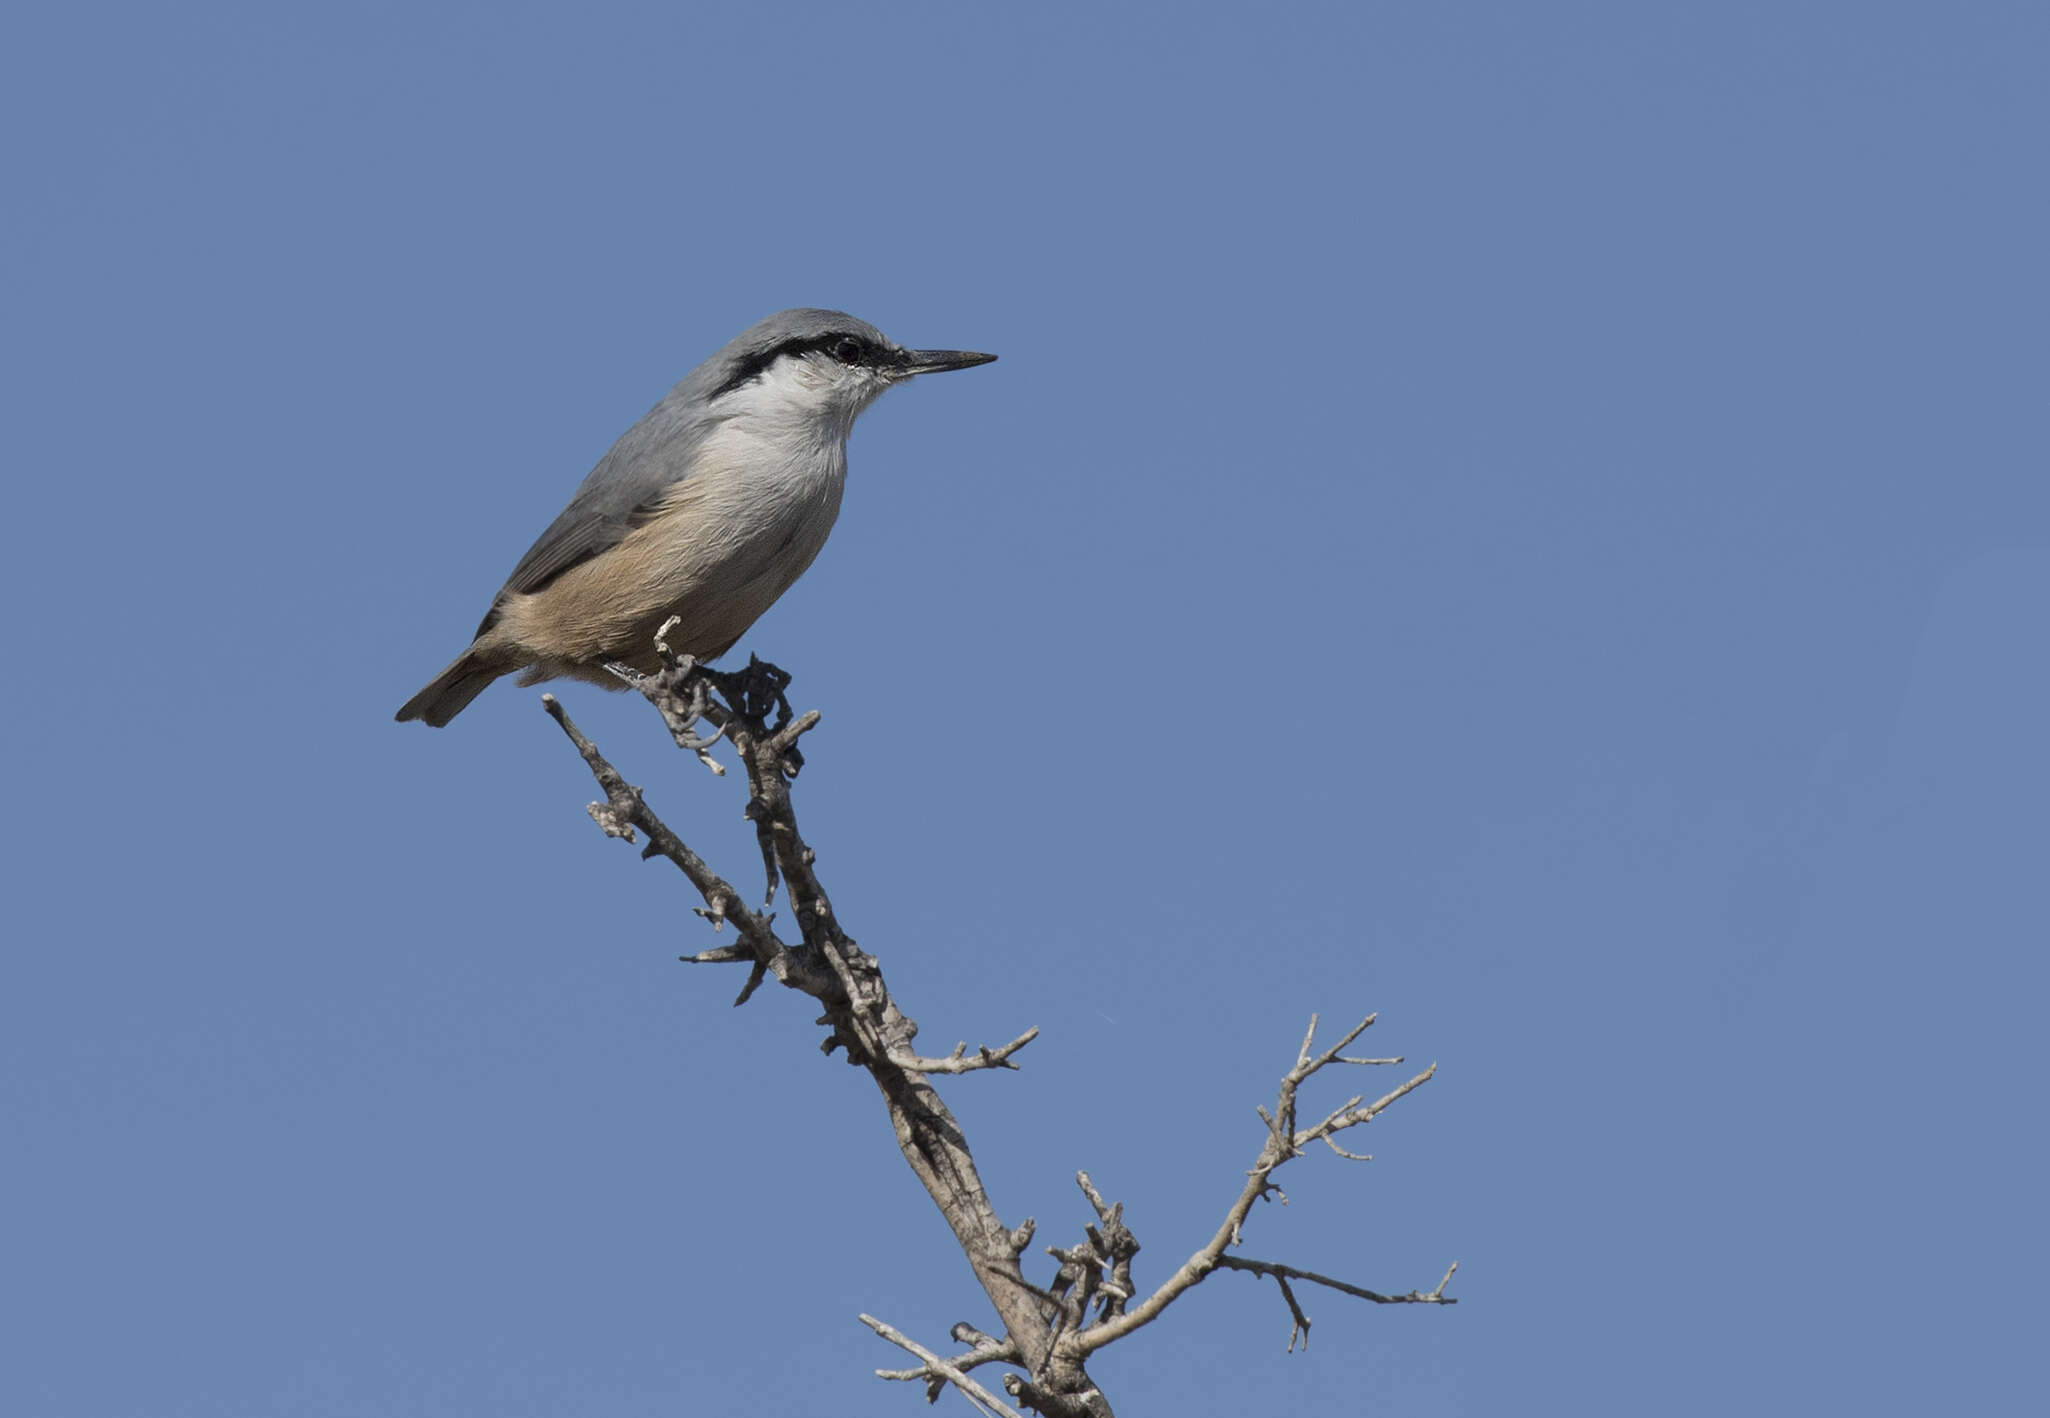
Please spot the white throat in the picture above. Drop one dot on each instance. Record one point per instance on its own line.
(802, 402)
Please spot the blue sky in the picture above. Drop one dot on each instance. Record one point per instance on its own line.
(1530, 519)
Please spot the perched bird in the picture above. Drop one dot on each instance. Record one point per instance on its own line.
(708, 509)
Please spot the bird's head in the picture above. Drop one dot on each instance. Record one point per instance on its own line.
(821, 364)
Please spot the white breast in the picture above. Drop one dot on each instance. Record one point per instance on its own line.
(762, 496)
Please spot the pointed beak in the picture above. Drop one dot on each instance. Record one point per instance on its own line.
(936, 361)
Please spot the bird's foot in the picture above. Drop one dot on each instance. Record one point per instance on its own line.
(755, 691)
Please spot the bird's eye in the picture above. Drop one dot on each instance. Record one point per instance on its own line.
(848, 350)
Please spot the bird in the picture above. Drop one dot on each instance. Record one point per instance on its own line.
(708, 510)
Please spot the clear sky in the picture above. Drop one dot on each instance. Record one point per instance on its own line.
(1527, 518)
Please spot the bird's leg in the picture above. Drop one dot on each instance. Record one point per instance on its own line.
(633, 677)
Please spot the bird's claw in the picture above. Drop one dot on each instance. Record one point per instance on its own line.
(754, 691)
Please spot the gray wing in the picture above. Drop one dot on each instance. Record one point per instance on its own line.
(616, 496)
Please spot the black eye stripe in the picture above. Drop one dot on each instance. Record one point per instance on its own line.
(837, 344)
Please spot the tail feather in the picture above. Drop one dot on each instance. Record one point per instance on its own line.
(451, 691)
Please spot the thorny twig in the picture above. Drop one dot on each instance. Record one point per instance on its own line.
(1048, 1333)
(1284, 1143)
(826, 963)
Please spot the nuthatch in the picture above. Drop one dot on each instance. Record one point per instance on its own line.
(708, 509)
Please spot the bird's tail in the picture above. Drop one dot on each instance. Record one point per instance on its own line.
(452, 690)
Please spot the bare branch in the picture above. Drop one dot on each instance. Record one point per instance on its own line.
(1352, 1114)
(956, 1062)
(1283, 1143)
(1302, 1055)
(786, 739)
(934, 1365)
(625, 810)
(719, 955)
(826, 963)
(1047, 1333)
(1113, 1242)
(1289, 1272)
(986, 1351)
(1301, 1321)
